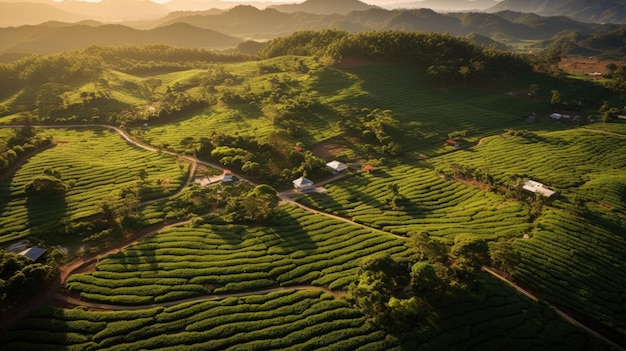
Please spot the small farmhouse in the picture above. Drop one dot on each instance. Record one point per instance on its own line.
(302, 184)
(454, 143)
(558, 116)
(539, 188)
(228, 176)
(33, 253)
(336, 166)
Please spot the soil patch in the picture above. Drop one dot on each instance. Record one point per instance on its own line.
(329, 149)
(587, 65)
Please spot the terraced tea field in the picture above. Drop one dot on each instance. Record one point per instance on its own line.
(303, 248)
(305, 320)
(95, 163)
(428, 203)
(580, 233)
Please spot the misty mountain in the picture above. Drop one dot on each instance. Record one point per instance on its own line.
(203, 5)
(20, 13)
(114, 10)
(58, 37)
(594, 11)
(325, 7)
(250, 22)
(606, 42)
(446, 5)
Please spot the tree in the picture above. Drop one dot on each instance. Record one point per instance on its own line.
(142, 174)
(425, 248)
(392, 198)
(424, 279)
(503, 256)
(556, 97)
(465, 71)
(470, 250)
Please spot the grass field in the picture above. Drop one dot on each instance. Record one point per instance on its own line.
(96, 163)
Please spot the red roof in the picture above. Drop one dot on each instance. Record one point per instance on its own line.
(452, 142)
(298, 148)
(228, 171)
(368, 168)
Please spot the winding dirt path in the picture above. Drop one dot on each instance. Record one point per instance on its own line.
(562, 314)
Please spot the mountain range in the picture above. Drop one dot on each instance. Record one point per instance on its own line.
(222, 29)
(593, 11)
(52, 37)
(20, 12)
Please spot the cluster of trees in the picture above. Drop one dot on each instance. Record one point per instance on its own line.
(281, 155)
(446, 59)
(397, 293)
(20, 277)
(50, 183)
(232, 203)
(20, 142)
(375, 126)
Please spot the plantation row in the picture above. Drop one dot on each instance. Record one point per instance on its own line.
(505, 321)
(93, 164)
(578, 233)
(562, 159)
(305, 320)
(301, 248)
(590, 253)
(425, 203)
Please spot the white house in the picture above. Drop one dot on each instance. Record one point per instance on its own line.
(556, 116)
(538, 188)
(336, 166)
(303, 184)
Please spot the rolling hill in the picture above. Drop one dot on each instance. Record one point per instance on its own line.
(596, 11)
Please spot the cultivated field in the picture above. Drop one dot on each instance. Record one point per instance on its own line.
(95, 164)
(579, 233)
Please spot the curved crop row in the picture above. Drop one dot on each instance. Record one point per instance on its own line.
(289, 319)
(302, 249)
(94, 164)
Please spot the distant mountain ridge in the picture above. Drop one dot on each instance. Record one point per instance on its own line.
(55, 37)
(247, 21)
(593, 11)
(446, 6)
(19, 14)
(324, 7)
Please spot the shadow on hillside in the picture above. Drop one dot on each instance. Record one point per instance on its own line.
(288, 232)
(46, 215)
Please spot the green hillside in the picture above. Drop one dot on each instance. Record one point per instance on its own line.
(118, 160)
